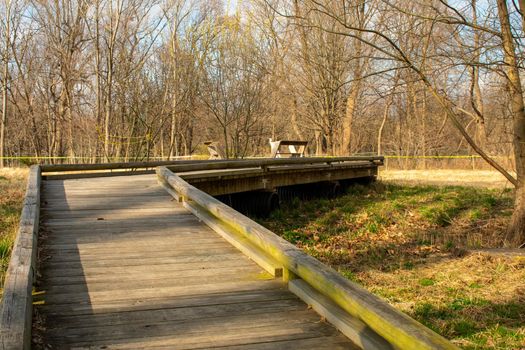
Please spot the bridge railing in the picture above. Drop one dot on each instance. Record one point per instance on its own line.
(57, 171)
(360, 315)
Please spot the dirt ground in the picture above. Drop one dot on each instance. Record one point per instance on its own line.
(475, 178)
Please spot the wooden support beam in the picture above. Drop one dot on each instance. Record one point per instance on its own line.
(17, 302)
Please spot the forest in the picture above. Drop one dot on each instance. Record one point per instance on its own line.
(137, 79)
(95, 81)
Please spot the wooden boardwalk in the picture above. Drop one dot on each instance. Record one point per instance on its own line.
(124, 266)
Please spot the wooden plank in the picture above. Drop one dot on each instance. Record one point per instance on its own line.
(166, 292)
(335, 342)
(118, 182)
(159, 280)
(114, 306)
(181, 223)
(88, 175)
(87, 272)
(174, 239)
(93, 194)
(16, 308)
(286, 337)
(397, 328)
(191, 328)
(357, 331)
(113, 213)
(110, 277)
(100, 237)
(146, 261)
(174, 314)
(110, 223)
(81, 236)
(122, 187)
(90, 259)
(106, 205)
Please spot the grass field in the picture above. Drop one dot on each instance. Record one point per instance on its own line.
(408, 244)
(12, 190)
(473, 178)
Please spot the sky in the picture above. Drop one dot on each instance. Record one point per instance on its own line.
(231, 6)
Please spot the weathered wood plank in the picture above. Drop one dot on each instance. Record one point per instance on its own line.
(183, 224)
(112, 223)
(240, 324)
(174, 314)
(336, 342)
(161, 252)
(87, 272)
(56, 242)
(114, 306)
(111, 279)
(146, 261)
(16, 308)
(286, 337)
(99, 236)
(166, 292)
(159, 280)
(124, 213)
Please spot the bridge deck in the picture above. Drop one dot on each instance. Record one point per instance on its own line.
(124, 266)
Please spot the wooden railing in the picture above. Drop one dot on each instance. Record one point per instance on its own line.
(197, 165)
(17, 303)
(364, 318)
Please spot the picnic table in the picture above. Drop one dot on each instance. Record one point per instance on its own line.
(288, 148)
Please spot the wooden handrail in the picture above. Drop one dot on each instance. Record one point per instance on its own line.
(195, 165)
(16, 308)
(267, 162)
(397, 328)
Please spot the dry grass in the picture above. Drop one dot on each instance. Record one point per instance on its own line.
(408, 244)
(12, 190)
(474, 178)
(477, 301)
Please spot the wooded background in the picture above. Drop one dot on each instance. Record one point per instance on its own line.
(141, 79)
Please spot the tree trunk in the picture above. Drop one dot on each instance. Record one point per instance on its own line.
(4, 83)
(355, 88)
(351, 106)
(98, 106)
(383, 122)
(516, 231)
(294, 122)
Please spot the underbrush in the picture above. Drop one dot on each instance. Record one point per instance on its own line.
(12, 190)
(410, 245)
